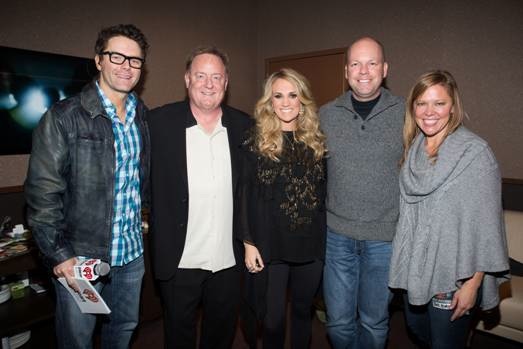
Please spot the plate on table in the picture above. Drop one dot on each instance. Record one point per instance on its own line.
(20, 339)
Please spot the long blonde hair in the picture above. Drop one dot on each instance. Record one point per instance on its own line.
(429, 79)
(269, 136)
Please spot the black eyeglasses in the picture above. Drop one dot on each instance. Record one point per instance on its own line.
(119, 59)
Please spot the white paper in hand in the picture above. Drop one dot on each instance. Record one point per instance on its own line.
(89, 300)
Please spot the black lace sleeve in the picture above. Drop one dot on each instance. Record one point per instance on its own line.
(247, 173)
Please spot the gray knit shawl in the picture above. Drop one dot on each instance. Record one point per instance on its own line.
(451, 220)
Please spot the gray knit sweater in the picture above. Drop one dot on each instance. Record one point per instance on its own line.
(451, 220)
(363, 166)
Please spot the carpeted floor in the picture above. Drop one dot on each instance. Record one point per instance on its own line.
(150, 336)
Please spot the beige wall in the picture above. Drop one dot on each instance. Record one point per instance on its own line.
(480, 42)
(173, 28)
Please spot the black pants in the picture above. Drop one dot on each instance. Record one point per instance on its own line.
(303, 281)
(219, 295)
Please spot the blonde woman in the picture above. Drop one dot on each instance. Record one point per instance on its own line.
(449, 251)
(283, 221)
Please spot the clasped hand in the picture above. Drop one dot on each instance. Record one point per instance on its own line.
(253, 259)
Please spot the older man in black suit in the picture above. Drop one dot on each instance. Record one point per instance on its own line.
(195, 170)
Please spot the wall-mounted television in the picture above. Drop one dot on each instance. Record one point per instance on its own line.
(30, 82)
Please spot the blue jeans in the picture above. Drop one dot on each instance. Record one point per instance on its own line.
(121, 291)
(432, 326)
(355, 291)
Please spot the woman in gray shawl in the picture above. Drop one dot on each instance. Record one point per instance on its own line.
(449, 251)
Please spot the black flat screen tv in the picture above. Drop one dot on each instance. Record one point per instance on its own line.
(30, 82)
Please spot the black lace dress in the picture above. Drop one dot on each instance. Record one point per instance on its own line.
(283, 203)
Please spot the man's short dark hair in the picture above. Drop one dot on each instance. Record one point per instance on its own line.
(211, 50)
(127, 30)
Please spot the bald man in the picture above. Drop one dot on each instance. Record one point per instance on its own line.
(364, 138)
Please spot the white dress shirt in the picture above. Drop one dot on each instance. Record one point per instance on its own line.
(208, 244)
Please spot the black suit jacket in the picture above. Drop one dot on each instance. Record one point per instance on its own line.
(170, 193)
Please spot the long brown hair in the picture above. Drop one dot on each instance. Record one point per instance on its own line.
(429, 79)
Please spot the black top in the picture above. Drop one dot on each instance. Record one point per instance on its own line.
(283, 203)
(364, 108)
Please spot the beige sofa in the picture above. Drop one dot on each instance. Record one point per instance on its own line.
(508, 322)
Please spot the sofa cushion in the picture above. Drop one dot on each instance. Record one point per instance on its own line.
(514, 229)
(511, 308)
(508, 322)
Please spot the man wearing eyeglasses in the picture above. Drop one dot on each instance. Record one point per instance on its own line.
(86, 185)
(194, 171)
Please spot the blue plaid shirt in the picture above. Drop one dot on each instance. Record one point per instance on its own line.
(127, 242)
